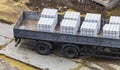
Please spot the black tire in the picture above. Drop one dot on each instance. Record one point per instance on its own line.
(43, 48)
(70, 52)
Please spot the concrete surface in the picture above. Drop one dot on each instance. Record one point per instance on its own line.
(6, 30)
(6, 34)
(25, 54)
(6, 37)
(4, 41)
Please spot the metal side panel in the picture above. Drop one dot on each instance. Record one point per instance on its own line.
(79, 39)
(67, 38)
(35, 35)
(110, 42)
(31, 15)
(19, 20)
(88, 40)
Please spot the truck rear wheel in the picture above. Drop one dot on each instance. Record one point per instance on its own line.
(70, 52)
(43, 48)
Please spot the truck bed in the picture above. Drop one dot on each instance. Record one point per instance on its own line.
(32, 25)
(26, 27)
(29, 25)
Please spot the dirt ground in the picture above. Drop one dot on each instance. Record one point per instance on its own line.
(83, 7)
(5, 66)
(87, 6)
(10, 9)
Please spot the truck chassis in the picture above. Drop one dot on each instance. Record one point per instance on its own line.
(72, 46)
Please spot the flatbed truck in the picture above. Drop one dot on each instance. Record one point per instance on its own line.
(72, 46)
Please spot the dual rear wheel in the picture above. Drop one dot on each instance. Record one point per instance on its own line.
(71, 52)
(45, 48)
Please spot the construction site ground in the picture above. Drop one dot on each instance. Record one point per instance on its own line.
(10, 9)
(24, 56)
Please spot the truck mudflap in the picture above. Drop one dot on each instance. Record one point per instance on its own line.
(17, 40)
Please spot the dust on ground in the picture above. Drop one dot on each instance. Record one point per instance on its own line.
(5, 66)
(92, 63)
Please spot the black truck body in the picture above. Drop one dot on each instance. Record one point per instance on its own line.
(90, 46)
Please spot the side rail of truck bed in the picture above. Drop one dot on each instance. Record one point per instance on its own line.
(58, 37)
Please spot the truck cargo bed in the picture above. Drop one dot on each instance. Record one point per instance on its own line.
(32, 25)
(26, 27)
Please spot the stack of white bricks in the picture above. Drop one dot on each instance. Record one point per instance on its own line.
(88, 29)
(48, 20)
(50, 13)
(115, 20)
(111, 31)
(73, 16)
(94, 18)
(46, 24)
(70, 24)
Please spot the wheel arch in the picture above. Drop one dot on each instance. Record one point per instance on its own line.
(44, 42)
(73, 45)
